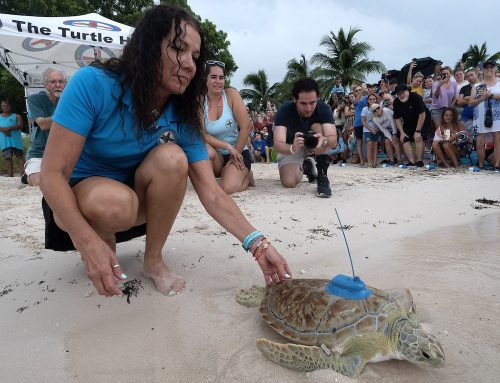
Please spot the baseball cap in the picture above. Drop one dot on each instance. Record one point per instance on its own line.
(374, 106)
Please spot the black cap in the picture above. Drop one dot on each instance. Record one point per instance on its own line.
(490, 62)
(400, 87)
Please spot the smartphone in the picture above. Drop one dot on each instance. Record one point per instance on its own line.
(447, 134)
(480, 89)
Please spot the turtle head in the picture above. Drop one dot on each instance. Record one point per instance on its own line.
(417, 346)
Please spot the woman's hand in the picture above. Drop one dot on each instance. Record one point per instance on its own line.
(273, 266)
(485, 94)
(101, 267)
(236, 158)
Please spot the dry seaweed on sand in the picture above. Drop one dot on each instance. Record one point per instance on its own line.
(131, 288)
(488, 201)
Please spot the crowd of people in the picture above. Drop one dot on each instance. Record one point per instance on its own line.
(112, 149)
(440, 118)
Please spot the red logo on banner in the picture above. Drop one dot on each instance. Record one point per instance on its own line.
(92, 24)
(36, 45)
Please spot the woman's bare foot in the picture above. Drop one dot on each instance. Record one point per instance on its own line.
(167, 282)
(251, 181)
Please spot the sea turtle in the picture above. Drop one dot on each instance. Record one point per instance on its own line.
(331, 332)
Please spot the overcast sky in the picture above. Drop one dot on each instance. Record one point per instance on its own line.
(267, 34)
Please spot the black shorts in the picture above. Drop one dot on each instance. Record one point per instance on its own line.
(358, 132)
(246, 159)
(58, 240)
(410, 136)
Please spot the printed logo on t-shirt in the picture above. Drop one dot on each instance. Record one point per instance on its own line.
(167, 136)
(229, 123)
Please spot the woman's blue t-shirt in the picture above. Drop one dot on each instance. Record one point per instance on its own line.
(90, 106)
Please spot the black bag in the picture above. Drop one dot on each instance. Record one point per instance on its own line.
(488, 116)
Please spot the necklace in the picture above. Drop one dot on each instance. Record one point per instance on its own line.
(155, 115)
(218, 103)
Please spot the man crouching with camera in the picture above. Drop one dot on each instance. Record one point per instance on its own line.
(303, 128)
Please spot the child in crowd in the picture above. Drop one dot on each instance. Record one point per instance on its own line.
(260, 149)
(445, 137)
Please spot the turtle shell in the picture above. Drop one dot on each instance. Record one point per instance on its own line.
(303, 311)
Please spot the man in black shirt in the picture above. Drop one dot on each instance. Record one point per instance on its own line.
(293, 121)
(464, 97)
(413, 121)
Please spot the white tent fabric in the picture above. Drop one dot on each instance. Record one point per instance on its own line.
(29, 44)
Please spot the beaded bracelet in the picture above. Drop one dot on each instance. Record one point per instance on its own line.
(249, 239)
(256, 253)
(255, 240)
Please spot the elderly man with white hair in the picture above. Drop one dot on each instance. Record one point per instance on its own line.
(42, 106)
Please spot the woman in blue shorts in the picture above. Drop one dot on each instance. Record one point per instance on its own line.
(125, 137)
(370, 131)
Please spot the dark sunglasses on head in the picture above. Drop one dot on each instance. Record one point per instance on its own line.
(215, 62)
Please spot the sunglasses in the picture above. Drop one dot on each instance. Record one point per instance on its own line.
(215, 62)
(377, 109)
(489, 67)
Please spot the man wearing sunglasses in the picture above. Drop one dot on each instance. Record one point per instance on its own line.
(293, 142)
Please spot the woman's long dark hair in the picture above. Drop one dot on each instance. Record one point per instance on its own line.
(140, 66)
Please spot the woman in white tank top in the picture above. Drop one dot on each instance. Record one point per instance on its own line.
(227, 126)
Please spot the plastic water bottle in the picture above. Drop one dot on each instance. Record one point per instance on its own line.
(403, 166)
(474, 169)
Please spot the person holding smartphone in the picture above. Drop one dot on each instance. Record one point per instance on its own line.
(445, 137)
(444, 91)
(482, 95)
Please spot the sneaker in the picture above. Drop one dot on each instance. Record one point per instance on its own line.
(309, 167)
(24, 179)
(420, 164)
(324, 187)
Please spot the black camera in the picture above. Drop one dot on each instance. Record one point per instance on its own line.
(310, 141)
(443, 76)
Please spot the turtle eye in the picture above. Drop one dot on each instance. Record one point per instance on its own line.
(425, 355)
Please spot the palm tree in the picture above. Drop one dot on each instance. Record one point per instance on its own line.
(476, 55)
(260, 93)
(295, 69)
(346, 58)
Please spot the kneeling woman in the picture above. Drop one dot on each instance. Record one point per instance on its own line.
(126, 135)
(445, 136)
(227, 126)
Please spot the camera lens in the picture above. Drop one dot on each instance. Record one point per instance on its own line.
(310, 141)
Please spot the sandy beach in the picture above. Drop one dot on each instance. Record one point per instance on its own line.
(420, 229)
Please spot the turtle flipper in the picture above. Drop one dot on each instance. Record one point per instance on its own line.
(308, 358)
(251, 297)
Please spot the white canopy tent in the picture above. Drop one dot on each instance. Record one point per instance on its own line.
(29, 45)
